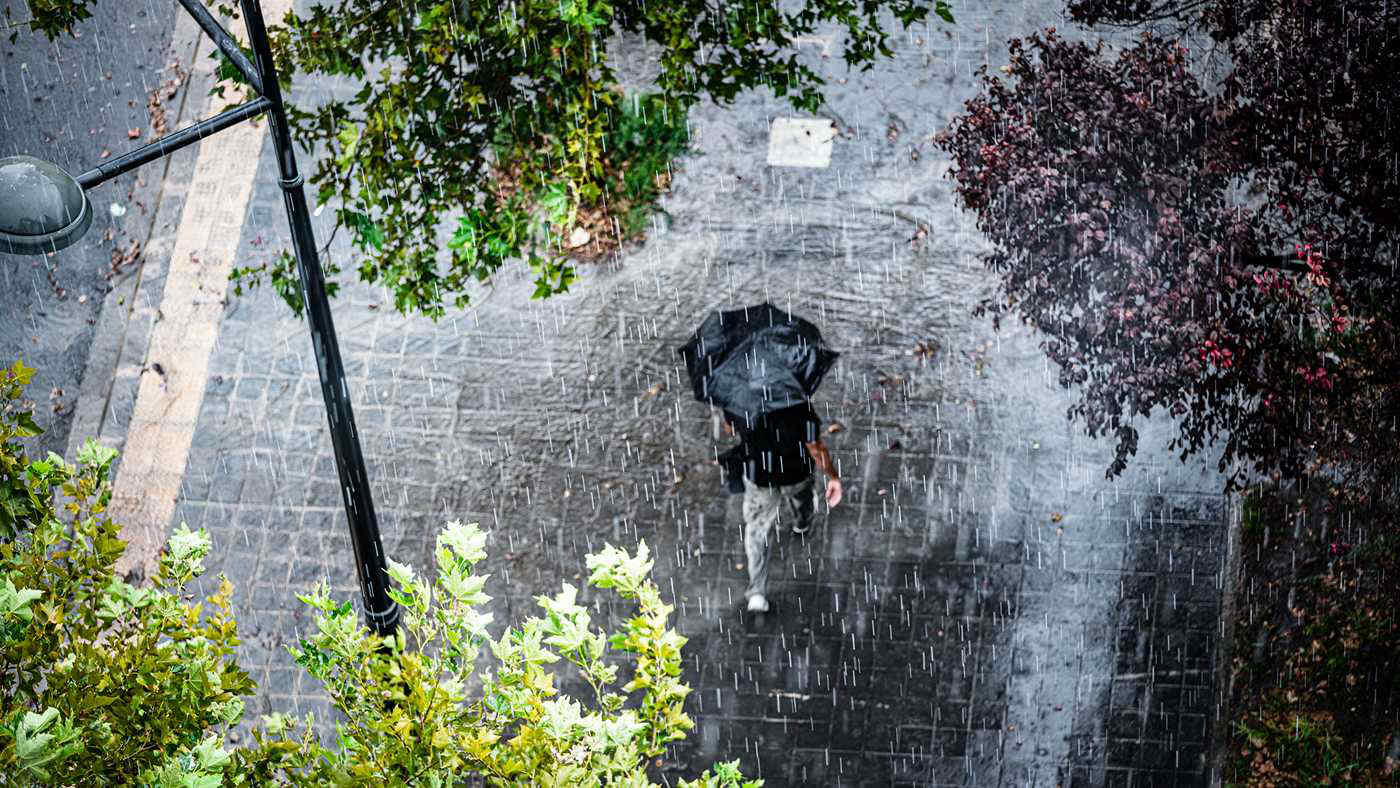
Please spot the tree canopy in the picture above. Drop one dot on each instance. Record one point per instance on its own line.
(472, 120)
(481, 132)
(1146, 223)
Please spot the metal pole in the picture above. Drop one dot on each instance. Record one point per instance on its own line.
(381, 612)
(167, 145)
(225, 42)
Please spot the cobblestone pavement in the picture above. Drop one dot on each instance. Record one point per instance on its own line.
(984, 609)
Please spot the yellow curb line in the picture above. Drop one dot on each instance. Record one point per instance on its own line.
(167, 405)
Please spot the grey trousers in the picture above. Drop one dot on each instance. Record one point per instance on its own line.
(762, 506)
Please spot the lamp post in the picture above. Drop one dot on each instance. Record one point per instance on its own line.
(44, 209)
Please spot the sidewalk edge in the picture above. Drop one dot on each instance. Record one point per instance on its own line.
(90, 412)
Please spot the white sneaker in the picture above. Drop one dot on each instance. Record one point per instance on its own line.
(758, 603)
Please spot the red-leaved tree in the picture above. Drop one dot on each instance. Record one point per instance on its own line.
(1224, 253)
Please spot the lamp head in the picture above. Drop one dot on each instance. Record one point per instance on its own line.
(42, 208)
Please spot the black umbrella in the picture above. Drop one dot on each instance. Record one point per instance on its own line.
(756, 360)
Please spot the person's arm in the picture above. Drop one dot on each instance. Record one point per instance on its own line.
(822, 457)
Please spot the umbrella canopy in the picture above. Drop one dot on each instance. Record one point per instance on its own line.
(756, 360)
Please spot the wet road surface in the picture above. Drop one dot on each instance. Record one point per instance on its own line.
(69, 102)
(983, 609)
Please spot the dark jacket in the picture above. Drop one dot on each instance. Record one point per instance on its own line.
(771, 451)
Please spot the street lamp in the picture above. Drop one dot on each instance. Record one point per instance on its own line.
(44, 209)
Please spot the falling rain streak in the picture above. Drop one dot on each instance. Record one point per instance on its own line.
(983, 608)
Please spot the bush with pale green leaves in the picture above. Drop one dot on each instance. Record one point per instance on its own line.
(102, 682)
(409, 716)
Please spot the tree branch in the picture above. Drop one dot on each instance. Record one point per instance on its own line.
(1352, 265)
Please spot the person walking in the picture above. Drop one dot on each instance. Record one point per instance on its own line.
(761, 366)
(778, 450)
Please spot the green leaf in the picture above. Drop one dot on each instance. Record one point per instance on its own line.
(367, 233)
(22, 373)
(465, 235)
(557, 205)
(466, 542)
(944, 11)
(349, 137)
(94, 454)
(27, 427)
(15, 601)
(43, 740)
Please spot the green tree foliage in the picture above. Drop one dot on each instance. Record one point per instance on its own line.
(50, 17)
(482, 132)
(1224, 256)
(476, 121)
(101, 682)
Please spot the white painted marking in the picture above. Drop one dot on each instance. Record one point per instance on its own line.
(800, 142)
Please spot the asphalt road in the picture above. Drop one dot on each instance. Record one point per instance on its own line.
(70, 101)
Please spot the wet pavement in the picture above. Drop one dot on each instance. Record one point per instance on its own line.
(982, 609)
(68, 102)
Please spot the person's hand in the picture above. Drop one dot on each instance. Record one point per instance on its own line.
(728, 428)
(833, 492)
